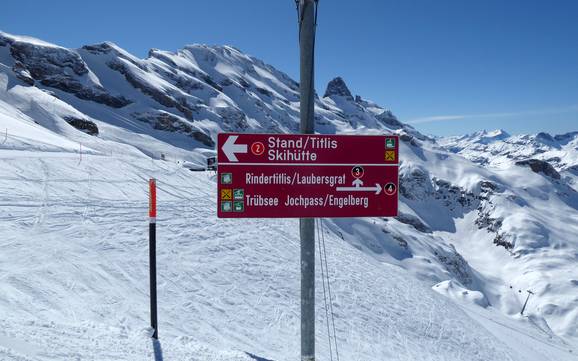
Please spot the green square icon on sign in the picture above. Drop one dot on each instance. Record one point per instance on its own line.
(390, 143)
(238, 206)
(238, 194)
(226, 178)
(226, 206)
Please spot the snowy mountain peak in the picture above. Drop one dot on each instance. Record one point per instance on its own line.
(11, 38)
(485, 136)
(109, 47)
(567, 137)
(337, 87)
(497, 134)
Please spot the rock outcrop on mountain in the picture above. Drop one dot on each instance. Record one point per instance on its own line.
(58, 68)
(540, 166)
(337, 87)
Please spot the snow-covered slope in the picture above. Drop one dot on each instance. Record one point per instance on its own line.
(496, 148)
(181, 99)
(82, 130)
(74, 277)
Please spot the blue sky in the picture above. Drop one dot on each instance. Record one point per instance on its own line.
(447, 66)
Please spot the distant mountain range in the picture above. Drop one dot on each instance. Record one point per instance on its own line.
(497, 148)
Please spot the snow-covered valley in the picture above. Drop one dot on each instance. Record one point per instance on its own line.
(75, 277)
(85, 129)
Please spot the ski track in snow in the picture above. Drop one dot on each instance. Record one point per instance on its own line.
(74, 278)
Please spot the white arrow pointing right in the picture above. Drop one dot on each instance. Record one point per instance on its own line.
(230, 148)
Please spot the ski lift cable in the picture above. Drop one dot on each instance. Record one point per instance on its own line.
(323, 273)
(329, 288)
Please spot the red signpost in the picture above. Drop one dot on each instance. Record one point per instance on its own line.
(301, 176)
(153, 255)
(152, 200)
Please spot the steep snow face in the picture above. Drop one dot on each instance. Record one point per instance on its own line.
(179, 97)
(498, 148)
(56, 67)
(514, 227)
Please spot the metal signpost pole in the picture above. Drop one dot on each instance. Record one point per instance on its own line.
(526, 303)
(307, 225)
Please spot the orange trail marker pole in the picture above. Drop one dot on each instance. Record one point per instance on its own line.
(153, 254)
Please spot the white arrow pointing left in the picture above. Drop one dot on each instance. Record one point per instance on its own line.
(230, 148)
